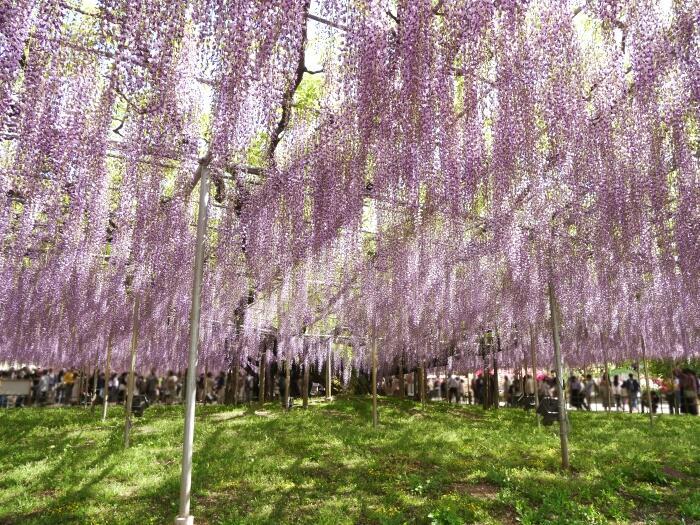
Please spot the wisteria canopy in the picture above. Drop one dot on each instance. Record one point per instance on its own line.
(405, 172)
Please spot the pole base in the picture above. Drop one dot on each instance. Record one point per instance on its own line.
(184, 520)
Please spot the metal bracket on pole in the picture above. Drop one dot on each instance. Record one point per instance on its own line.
(184, 517)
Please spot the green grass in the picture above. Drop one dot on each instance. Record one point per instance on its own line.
(444, 465)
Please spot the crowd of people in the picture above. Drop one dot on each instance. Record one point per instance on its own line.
(621, 394)
(680, 392)
(75, 386)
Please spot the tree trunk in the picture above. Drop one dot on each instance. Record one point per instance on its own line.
(236, 380)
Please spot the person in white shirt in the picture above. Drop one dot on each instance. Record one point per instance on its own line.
(452, 389)
(44, 383)
(506, 390)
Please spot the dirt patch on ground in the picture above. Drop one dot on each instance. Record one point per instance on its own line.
(226, 416)
(507, 517)
(484, 491)
(337, 414)
(465, 415)
(675, 474)
(238, 496)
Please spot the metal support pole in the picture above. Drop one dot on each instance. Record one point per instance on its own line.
(486, 393)
(563, 423)
(607, 373)
(534, 372)
(262, 373)
(305, 386)
(227, 377)
(94, 382)
(496, 392)
(108, 371)
(132, 367)
(375, 416)
(423, 379)
(646, 375)
(329, 385)
(79, 378)
(287, 380)
(81, 385)
(402, 378)
(184, 517)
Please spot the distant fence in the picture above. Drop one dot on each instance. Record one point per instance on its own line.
(15, 387)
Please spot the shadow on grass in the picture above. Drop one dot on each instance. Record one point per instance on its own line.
(328, 465)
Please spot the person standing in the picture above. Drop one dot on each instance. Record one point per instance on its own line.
(171, 387)
(68, 382)
(689, 385)
(677, 394)
(575, 392)
(44, 385)
(589, 388)
(605, 391)
(101, 388)
(152, 383)
(452, 389)
(209, 383)
(479, 388)
(632, 387)
(617, 392)
(507, 390)
(529, 385)
(113, 388)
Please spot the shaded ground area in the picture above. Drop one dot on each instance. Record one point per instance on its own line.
(441, 465)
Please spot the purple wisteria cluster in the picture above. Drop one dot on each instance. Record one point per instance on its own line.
(452, 160)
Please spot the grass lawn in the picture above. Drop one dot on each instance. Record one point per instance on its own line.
(442, 465)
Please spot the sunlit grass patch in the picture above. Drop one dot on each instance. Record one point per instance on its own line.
(442, 465)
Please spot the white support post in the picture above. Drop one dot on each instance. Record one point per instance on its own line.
(108, 364)
(130, 382)
(94, 382)
(563, 423)
(184, 517)
(534, 373)
(329, 386)
(375, 415)
(646, 376)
